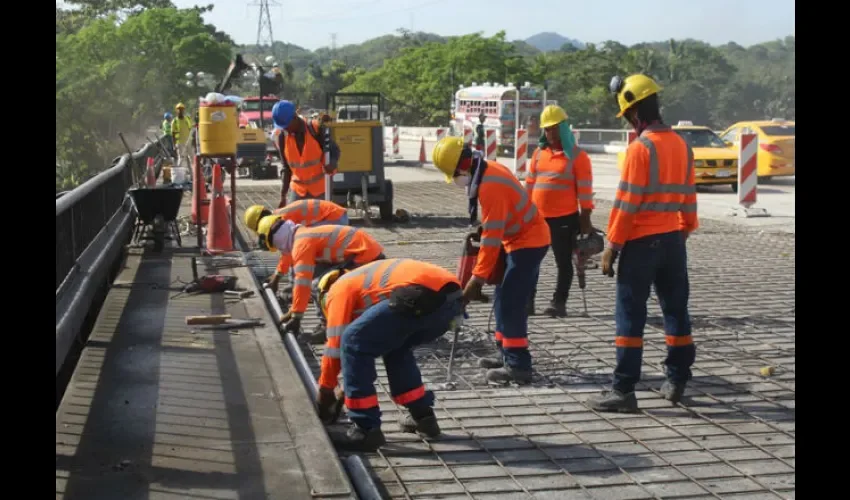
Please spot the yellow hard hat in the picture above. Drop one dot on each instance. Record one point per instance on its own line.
(180, 106)
(264, 227)
(552, 115)
(253, 216)
(446, 155)
(633, 89)
(324, 286)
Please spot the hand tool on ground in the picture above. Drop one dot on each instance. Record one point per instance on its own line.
(214, 319)
(242, 294)
(586, 247)
(209, 283)
(235, 323)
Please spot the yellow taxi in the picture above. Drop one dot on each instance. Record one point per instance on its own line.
(776, 145)
(715, 162)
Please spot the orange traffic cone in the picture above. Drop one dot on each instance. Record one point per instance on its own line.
(198, 185)
(150, 174)
(218, 233)
(422, 158)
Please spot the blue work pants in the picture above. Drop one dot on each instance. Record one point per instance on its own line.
(662, 260)
(522, 269)
(383, 332)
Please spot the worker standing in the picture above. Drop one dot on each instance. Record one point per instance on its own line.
(480, 139)
(181, 128)
(167, 142)
(301, 153)
(508, 219)
(383, 310)
(313, 251)
(654, 212)
(560, 182)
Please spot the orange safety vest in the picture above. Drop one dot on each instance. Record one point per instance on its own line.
(310, 212)
(656, 193)
(357, 291)
(327, 245)
(308, 173)
(508, 217)
(558, 186)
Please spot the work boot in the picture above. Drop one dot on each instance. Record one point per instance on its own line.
(672, 391)
(556, 309)
(318, 336)
(507, 374)
(614, 401)
(357, 438)
(494, 362)
(422, 422)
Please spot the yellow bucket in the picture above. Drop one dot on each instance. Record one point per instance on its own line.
(218, 129)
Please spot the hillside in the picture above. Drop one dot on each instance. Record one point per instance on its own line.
(550, 42)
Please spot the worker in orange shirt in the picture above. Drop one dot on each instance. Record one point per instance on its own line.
(312, 251)
(654, 212)
(508, 219)
(383, 310)
(560, 182)
(301, 153)
(308, 213)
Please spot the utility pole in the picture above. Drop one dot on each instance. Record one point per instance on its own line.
(333, 43)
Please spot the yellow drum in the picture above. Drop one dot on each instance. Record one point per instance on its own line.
(218, 129)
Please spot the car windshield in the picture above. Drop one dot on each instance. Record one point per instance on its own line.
(701, 138)
(255, 105)
(781, 130)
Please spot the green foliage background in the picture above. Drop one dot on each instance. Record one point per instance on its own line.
(120, 64)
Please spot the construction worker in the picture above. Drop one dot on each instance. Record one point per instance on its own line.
(560, 182)
(383, 309)
(508, 219)
(308, 213)
(654, 212)
(167, 142)
(480, 139)
(312, 251)
(181, 128)
(301, 154)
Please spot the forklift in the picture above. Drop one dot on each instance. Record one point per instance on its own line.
(357, 127)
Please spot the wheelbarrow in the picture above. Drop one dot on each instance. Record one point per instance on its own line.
(156, 215)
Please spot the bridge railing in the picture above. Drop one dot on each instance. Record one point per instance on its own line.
(92, 223)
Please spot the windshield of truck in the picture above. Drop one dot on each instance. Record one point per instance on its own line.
(255, 105)
(701, 138)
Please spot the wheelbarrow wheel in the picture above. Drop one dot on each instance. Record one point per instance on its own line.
(386, 206)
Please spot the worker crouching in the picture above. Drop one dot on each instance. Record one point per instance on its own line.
(508, 219)
(655, 209)
(560, 182)
(383, 310)
(313, 251)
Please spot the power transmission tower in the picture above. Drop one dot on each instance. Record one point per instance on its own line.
(264, 23)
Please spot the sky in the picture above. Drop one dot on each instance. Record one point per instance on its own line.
(311, 24)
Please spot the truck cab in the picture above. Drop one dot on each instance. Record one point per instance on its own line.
(249, 110)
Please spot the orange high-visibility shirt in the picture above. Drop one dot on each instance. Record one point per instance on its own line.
(656, 193)
(328, 245)
(364, 287)
(311, 212)
(508, 217)
(559, 186)
(308, 173)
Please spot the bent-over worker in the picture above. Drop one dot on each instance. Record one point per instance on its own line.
(308, 213)
(383, 309)
(312, 251)
(560, 182)
(654, 212)
(508, 219)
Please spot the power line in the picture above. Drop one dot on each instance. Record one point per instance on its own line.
(265, 36)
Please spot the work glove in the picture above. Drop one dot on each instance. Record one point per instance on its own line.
(273, 282)
(292, 326)
(329, 404)
(609, 256)
(472, 291)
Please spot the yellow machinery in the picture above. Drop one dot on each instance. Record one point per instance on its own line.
(251, 153)
(358, 130)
